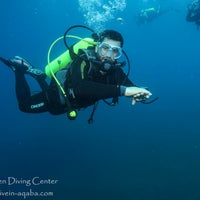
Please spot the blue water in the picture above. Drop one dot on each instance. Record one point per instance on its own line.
(141, 152)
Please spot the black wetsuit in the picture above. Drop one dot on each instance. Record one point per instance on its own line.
(84, 85)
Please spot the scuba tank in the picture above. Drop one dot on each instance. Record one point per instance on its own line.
(64, 59)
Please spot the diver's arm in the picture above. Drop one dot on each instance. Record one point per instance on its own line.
(116, 87)
(97, 91)
(94, 90)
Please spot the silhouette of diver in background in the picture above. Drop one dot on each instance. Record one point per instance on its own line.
(149, 14)
(193, 14)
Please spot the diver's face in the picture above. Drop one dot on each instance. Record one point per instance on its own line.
(109, 50)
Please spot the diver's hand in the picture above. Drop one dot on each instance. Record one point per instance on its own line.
(138, 94)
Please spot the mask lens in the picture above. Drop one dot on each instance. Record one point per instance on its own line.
(109, 50)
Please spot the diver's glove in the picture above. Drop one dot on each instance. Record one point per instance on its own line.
(138, 94)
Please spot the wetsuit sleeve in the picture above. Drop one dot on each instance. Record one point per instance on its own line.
(95, 90)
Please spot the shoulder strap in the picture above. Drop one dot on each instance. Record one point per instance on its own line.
(90, 56)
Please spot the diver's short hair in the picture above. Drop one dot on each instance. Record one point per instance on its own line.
(111, 34)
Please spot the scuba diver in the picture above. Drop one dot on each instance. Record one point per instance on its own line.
(193, 14)
(149, 14)
(93, 73)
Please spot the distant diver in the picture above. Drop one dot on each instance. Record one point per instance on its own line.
(193, 13)
(148, 15)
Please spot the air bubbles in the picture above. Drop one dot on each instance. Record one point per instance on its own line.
(98, 12)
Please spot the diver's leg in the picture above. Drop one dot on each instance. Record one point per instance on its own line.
(36, 103)
(33, 104)
(21, 87)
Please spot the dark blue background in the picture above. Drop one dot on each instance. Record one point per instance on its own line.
(130, 152)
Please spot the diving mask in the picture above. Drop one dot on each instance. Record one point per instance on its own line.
(108, 50)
